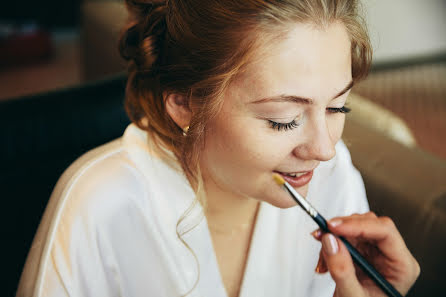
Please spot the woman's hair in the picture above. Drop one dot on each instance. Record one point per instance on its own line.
(196, 48)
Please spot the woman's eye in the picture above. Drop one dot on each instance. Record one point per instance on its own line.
(283, 126)
(293, 124)
(342, 109)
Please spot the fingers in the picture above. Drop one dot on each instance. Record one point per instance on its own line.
(380, 230)
(377, 239)
(340, 266)
(321, 267)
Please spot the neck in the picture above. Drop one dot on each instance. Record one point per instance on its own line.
(228, 213)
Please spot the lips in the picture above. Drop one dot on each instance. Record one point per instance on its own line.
(297, 179)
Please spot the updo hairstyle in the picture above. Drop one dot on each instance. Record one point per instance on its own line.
(197, 47)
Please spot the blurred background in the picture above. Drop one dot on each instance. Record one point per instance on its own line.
(53, 44)
(62, 87)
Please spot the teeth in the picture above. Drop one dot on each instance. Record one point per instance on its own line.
(295, 174)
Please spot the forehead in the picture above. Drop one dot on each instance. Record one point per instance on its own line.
(309, 61)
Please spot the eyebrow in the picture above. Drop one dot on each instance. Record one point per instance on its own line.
(298, 99)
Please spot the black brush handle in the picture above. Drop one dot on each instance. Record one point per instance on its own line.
(361, 261)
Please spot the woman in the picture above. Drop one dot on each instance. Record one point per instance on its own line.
(222, 94)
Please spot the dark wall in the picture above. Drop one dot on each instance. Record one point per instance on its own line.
(50, 13)
(41, 135)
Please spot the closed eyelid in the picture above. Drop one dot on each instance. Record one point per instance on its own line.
(284, 118)
(269, 115)
(284, 126)
(289, 118)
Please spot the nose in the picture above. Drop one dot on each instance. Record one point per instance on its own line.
(318, 142)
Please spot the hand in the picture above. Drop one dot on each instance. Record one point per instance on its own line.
(378, 240)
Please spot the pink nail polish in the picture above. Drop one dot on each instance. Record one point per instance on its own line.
(335, 222)
(316, 233)
(329, 244)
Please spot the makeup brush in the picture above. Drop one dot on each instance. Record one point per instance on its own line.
(356, 256)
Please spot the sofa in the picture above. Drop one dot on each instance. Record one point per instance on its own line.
(41, 135)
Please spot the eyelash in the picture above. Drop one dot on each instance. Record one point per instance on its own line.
(282, 126)
(342, 109)
(291, 125)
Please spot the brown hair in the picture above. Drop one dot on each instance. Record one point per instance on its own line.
(197, 47)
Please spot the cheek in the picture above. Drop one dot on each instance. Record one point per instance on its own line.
(236, 144)
(336, 126)
(239, 151)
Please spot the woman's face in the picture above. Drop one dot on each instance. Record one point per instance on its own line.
(283, 114)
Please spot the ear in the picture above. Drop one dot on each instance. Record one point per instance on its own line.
(177, 106)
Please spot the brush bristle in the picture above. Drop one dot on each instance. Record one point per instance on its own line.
(279, 180)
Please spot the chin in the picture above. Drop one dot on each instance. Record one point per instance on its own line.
(283, 199)
(303, 191)
(283, 204)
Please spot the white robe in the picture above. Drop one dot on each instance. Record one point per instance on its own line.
(110, 230)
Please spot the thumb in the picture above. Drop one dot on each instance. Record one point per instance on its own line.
(340, 265)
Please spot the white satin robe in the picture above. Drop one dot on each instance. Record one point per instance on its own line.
(110, 230)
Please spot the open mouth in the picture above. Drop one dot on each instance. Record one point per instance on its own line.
(297, 179)
(296, 174)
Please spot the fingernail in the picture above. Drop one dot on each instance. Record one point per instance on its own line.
(316, 233)
(329, 244)
(335, 222)
(318, 266)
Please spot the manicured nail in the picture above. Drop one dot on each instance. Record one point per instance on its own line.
(316, 233)
(335, 222)
(329, 244)
(318, 269)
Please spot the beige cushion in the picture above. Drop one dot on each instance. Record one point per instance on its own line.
(380, 119)
(408, 185)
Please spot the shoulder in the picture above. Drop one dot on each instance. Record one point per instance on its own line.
(123, 180)
(104, 178)
(107, 209)
(86, 199)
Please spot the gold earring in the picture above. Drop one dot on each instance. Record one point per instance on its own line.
(185, 129)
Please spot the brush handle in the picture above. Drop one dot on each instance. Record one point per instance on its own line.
(370, 270)
(361, 261)
(356, 256)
